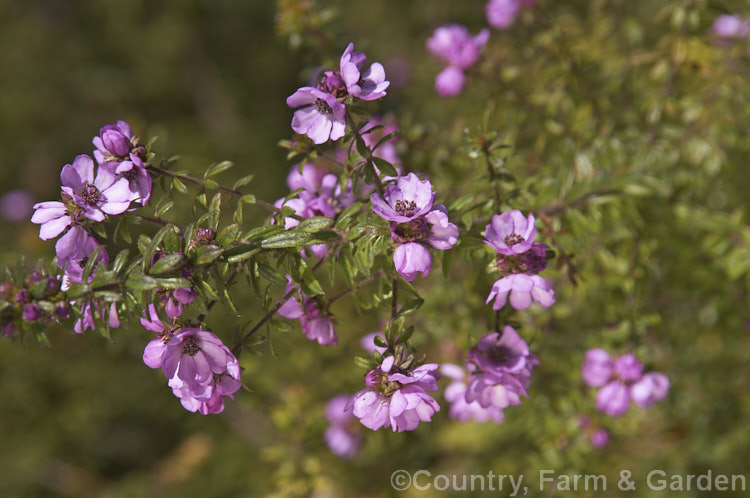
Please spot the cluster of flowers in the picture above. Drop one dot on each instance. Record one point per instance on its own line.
(90, 192)
(24, 305)
(621, 381)
(416, 223)
(498, 371)
(201, 370)
(321, 113)
(454, 45)
(519, 259)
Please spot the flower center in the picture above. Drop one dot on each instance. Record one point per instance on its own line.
(404, 207)
(499, 355)
(190, 348)
(513, 239)
(323, 107)
(412, 231)
(90, 194)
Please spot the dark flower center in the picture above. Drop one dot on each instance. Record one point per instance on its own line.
(402, 207)
(90, 194)
(412, 231)
(323, 107)
(513, 239)
(499, 355)
(190, 348)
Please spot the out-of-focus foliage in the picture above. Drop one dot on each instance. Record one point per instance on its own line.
(627, 131)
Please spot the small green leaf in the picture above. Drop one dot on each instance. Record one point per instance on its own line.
(242, 182)
(141, 282)
(165, 264)
(215, 169)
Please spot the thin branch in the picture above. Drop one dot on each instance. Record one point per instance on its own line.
(233, 193)
(236, 348)
(356, 286)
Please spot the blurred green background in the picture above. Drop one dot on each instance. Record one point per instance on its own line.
(590, 94)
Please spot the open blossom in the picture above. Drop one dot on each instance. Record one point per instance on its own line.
(342, 436)
(201, 370)
(397, 399)
(460, 409)
(319, 115)
(317, 325)
(510, 233)
(622, 381)
(500, 368)
(96, 195)
(415, 224)
(369, 84)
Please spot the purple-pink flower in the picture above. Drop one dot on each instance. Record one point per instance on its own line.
(500, 368)
(521, 289)
(731, 26)
(599, 438)
(453, 44)
(415, 224)
(118, 151)
(342, 436)
(73, 251)
(396, 398)
(96, 195)
(502, 13)
(201, 370)
(319, 115)
(456, 46)
(369, 84)
(16, 205)
(450, 81)
(510, 233)
(460, 409)
(316, 323)
(519, 258)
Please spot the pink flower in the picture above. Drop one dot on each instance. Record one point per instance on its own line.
(319, 115)
(522, 289)
(396, 399)
(369, 84)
